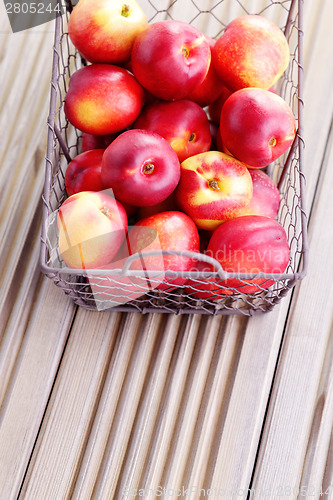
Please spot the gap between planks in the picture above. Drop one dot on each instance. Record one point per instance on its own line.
(259, 322)
(292, 431)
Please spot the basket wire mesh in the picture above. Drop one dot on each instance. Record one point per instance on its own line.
(126, 290)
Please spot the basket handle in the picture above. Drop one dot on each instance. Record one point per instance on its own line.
(185, 253)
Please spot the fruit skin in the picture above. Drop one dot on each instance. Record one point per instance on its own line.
(266, 196)
(213, 188)
(170, 58)
(257, 126)
(205, 287)
(252, 52)
(250, 244)
(211, 87)
(125, 163)
(92, 226)
(184, 124)
(215, 108)
(83, 173)
(117, 288)
(91, 141)
(103, 99)
(104, 31)
(175, 231)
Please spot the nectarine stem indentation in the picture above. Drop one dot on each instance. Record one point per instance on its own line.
(186, 52)
(148, 168)
(272, 142)
(125, 11)
(106, 211)
(213, 184)
(192, 137)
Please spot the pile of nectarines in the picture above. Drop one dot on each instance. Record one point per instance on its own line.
(176, 130)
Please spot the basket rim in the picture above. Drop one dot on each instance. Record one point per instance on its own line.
(125, 271)
(302, 263)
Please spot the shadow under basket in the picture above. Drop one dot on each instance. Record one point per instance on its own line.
(127, 290)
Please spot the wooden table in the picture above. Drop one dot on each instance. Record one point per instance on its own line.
(117, 405)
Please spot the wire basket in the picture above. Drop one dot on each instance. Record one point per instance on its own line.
(126, 290)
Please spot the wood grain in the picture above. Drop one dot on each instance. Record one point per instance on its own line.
(27, 395)
(65, 430)
(96, 405)
(296, 394)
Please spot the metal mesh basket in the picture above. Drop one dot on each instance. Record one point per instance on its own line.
(125, 290)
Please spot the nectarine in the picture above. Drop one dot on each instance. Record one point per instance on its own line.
(103, 99)
(104, 31)
(251, 52)
(213, 188)
(92, 226)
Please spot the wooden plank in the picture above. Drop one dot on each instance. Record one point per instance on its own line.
(144, 422)
(237, 445)
(5, 28)
(106, 440)
(318, 63)
(317, 472)
(31, 383)
(72, 406)
(24, 138)
(114, 465)
(219, 393)
(242, 430)
(317, 67)
(30, 350)
(16, 306)
(171, 404)
(23, 144)
(21, 180)
(196, 412)
(106, 482)
(115, 447)
(26, 65)
(108, 446)
(175, 431)
(295, 392)
(109, 434)
(328, 474)
(245, 455)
